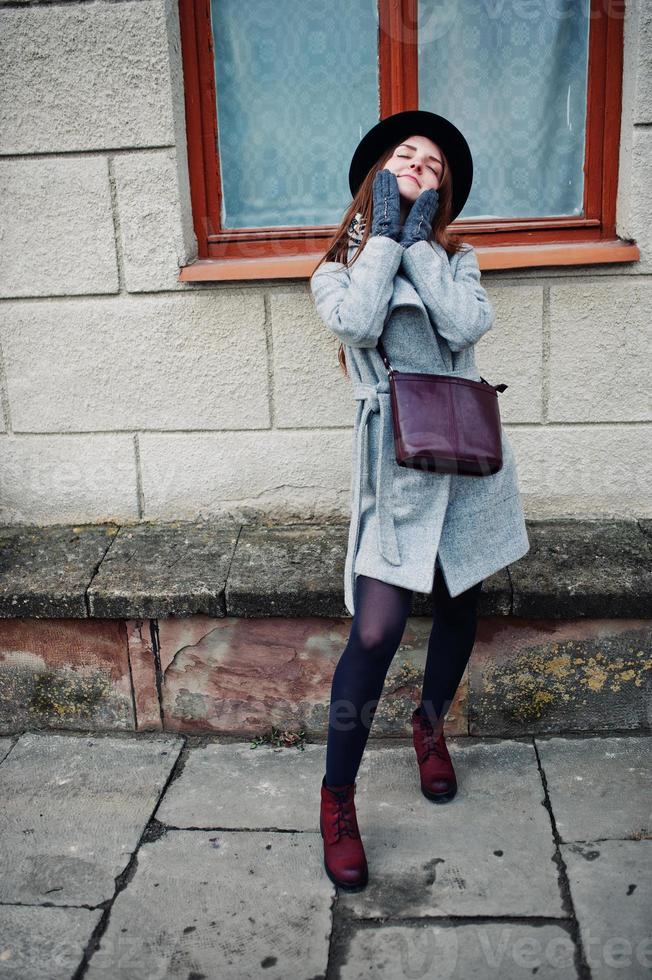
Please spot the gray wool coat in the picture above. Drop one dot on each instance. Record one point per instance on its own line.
(431, 310)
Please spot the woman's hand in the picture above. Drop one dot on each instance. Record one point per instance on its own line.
(386, 214)
(418, 224)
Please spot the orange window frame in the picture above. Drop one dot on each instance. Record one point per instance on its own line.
(263, 253)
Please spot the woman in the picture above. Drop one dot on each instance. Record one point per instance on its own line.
(393, 268)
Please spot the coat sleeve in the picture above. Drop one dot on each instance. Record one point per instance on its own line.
(353, 301)
(459, 305)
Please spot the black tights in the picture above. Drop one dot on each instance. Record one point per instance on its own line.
(381, 612)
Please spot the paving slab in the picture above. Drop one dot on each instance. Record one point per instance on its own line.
(43, 942)
(5, 747)
(599, 787)
(72, 810)
(250, 896)
(576, 567)
(611, 887)
(597, 568)
(457, 951)
(45, 571)
(220, 905)
(297, 569)
(234, 786)
(489, 851)
(173, 569)
(288, 570)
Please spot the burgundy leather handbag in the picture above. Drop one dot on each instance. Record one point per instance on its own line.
(443, 423)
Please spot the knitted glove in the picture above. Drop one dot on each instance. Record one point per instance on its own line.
(386, 214)
(418, 223)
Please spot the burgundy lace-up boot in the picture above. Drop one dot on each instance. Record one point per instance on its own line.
(438, 782)
(344, 857)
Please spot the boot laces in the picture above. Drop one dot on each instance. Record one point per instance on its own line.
(433, 743)
(344, 819)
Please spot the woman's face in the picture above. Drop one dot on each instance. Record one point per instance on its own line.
(418, 164)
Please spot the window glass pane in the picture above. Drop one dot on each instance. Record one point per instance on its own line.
(297, 87)
(513, 78)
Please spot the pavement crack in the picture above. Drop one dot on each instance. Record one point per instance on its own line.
(583, 969)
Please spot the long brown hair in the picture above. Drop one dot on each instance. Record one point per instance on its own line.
(363, 202)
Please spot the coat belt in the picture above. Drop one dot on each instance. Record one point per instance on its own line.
(377, 398)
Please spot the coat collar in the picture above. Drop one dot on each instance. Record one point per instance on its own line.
(403, 293)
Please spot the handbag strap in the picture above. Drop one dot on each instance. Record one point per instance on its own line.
(390, 369)
(383, 354)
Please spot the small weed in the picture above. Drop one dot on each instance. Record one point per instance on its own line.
(280, 739)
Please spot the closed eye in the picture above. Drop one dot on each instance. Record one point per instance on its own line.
(407, 158)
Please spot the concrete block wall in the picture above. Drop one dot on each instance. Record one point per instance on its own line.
(126, 395)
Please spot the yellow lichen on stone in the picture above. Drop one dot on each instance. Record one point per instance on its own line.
(543, 697)
(595, 677)
(533, 682)
(560, 666)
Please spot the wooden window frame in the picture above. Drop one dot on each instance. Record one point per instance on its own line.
(273, 253)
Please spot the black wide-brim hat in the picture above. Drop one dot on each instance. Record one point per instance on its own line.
(416, 122)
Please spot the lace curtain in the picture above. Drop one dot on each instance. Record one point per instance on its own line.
(297, 87)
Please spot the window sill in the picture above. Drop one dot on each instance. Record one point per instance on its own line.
(489, 258)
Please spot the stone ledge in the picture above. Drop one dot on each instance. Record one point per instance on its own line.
(598, 568)
(243, 676)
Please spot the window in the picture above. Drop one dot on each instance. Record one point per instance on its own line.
(278, 96)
